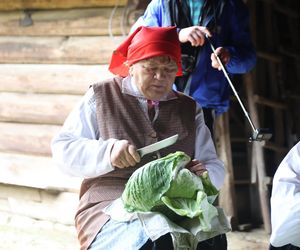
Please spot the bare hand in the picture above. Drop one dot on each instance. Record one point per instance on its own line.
(224, 56)
(194, 34)
(196, 167)
(123, 154)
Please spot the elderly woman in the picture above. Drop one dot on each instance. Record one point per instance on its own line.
(100, 138)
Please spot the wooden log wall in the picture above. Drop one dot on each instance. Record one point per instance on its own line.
(50, 53)
(56, 4)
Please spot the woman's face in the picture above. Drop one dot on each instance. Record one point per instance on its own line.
(154, 77)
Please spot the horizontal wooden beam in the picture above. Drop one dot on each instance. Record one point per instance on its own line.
(286, 10)
(56, 50)
(277, 148)
(268, 102)
(57, 4)
(74, 22)
(239, 140)
(290, 52)
(275, 58)
(37, 172)
(36, 108)
(50, 78)
(27, 138)
(55, 207)
(294, 96)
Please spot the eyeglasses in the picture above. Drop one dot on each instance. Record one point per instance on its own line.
(167, 70)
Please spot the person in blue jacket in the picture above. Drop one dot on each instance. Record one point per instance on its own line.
(226, 22)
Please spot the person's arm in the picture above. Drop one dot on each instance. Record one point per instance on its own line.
(205, 151)
(241, 50)
(78, 148)
(285, 201)
(157, 14)
(194, 35)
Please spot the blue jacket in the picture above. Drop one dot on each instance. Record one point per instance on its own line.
(208, 86)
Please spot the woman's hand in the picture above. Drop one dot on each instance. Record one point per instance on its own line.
(196, 167)
(124, 155)
(224, 56)
(194, 34)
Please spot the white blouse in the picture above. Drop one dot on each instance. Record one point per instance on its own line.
(285, 201)
(79, 150)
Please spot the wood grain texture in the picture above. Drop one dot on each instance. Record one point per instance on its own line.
(73, 22)
(55, 207)
(37, 172)
(227, 196)
(36, 108)
(51, 78)
(27, 138)
(56, 50)
(56, 4)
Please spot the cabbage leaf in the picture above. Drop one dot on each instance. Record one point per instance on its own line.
(165, 185)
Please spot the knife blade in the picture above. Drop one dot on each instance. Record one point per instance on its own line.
(158, 145)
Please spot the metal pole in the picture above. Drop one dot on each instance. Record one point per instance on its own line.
(231, 85)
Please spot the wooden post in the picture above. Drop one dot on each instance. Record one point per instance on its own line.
(259, 159)
(227, 198)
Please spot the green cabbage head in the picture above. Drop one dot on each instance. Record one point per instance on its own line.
(165, 185)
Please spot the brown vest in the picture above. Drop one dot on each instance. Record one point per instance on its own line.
(120, 116)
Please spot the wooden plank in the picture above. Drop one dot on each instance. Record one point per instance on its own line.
(268, 102)
(37, 172)
(27, 138)
(277, 90)
(57, 4)
(258, 157)
(55, 50)
(36, 108)
(54, 207)
(227, 197)
(286, 10)
(50, 78)
(276, 58)
(290, 52)
(74, 22)
(22, 192)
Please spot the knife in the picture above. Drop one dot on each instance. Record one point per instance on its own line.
(158, 145)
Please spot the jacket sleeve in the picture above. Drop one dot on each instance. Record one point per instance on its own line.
(205, 151)
(78, 148)
(285, 201)
(240, 46)
(157, 14)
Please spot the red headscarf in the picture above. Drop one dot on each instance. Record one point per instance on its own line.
(143, 43)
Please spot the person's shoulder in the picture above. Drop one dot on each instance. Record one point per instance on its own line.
(294, 151)
(290, 161)
(156, 5)
(182, 95)
(236, 4)
(297, 146)
(107, 82)
(185, 98)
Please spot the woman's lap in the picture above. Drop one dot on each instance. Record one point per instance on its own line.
(132, 236)
(120, 235)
